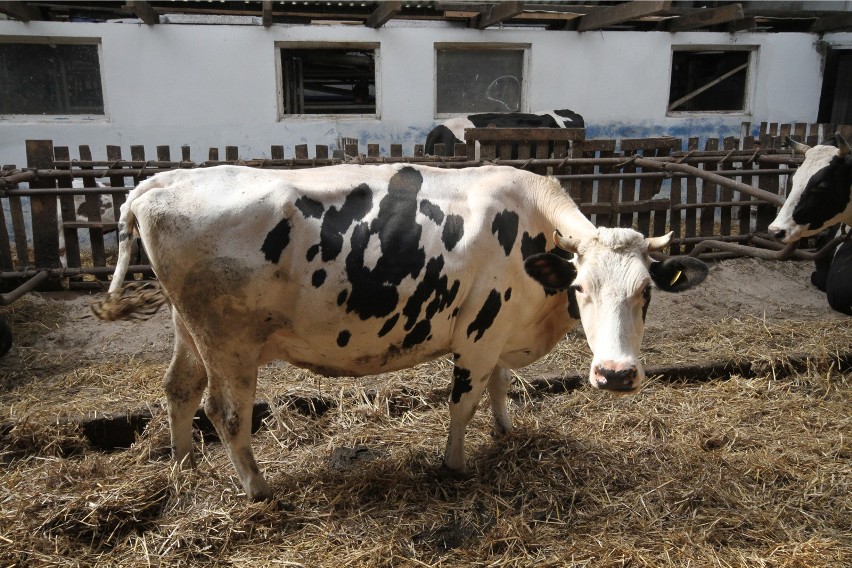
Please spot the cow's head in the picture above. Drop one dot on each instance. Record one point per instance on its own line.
(610, 278)
(820, 196)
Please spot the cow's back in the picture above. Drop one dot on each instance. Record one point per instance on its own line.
(346, 269)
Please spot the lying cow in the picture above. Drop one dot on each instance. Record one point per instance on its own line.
(833, 273)
(358, 270)
(821, 197)
(451, 131)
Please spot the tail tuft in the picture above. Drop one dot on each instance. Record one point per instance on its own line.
(132, 301)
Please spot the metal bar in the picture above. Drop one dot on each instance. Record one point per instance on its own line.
(68, 272)
(9, 297)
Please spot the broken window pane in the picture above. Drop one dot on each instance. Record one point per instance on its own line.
(711, 80)
(487, 80)
(48, 79)
(328, 81)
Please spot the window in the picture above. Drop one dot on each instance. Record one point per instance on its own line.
(709, 80)
(326, 80)
(50, 79)
(479, 80)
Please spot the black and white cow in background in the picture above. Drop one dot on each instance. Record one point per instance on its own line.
(821, 198)
(451, 131)
(357, 270)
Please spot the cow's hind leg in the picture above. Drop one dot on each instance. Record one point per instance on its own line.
(184, 384)
(469, 382)
(498, 390)
(229, 405)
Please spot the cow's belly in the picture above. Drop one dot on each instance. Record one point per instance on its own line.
(350, 353)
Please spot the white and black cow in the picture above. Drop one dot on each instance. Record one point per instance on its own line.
(451, 131)
(821, 198)
(358, 270)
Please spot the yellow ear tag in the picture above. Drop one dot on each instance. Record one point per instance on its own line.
(676, 278)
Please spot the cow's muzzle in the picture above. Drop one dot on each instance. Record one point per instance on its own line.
(616, 377)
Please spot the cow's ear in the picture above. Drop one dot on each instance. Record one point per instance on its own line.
(551, 271)
(678, 273)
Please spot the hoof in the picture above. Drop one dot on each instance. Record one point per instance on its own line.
(447, 472)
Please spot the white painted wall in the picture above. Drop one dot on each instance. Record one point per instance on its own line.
(216, 85)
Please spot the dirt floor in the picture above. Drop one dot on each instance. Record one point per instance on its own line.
(713, 473)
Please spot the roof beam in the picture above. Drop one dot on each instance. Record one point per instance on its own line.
(621, 13)
(833, 23)
(266, 13)
(706, 17)
(20, 11)
(383, 12)
(143, 11)
(495, 13)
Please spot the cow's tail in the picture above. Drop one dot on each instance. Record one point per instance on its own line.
(131, 300)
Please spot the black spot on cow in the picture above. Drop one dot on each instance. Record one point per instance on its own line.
(646, 301)
(389, 325)
(461, 383)
(313, 250)
(433, 285)
(826, 194)
(573, 306)
(374, 291)
(310, 207)
(276, 241)
(417, 335)
(453, 231)
(486, 316)
(507, 294)
(341, 298)
(343, 338)
(505, 226)
(336, 221)
(318, 278)
(533, 245)
(432, 211)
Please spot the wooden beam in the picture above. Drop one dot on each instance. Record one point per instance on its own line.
(144, 11)
(495, 13)
(834, 23)
(706, 17)
(20, 11)
(622, 13)
(266, 12)
(383, 12)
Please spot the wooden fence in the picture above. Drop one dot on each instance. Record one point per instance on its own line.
(614, 182)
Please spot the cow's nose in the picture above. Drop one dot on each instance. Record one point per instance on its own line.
(618, 379)
(777, 234)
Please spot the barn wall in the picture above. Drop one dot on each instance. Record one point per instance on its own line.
(206, 85)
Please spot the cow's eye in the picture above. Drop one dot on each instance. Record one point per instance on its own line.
(578, 288)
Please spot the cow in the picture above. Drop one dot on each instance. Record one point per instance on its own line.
(821, 198)
(353, 270)
(451, 131)
(833, 273)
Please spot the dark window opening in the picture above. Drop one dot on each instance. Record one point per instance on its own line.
(472, 81)
(47, 79)
(835, 105)
(708, 81)
(328, 81)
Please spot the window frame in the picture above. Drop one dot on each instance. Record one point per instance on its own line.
(524, 48)
(748, 90)
(63, 117)
(279, 78)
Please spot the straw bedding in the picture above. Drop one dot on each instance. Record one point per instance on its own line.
(744, 471)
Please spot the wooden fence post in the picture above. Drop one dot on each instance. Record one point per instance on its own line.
(43, 207)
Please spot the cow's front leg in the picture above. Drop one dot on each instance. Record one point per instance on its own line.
(229, 406)
(469, 382)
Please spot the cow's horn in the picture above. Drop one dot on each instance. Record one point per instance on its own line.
(842, 144)
(659, 243)
(565, 243)
(797, 147)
